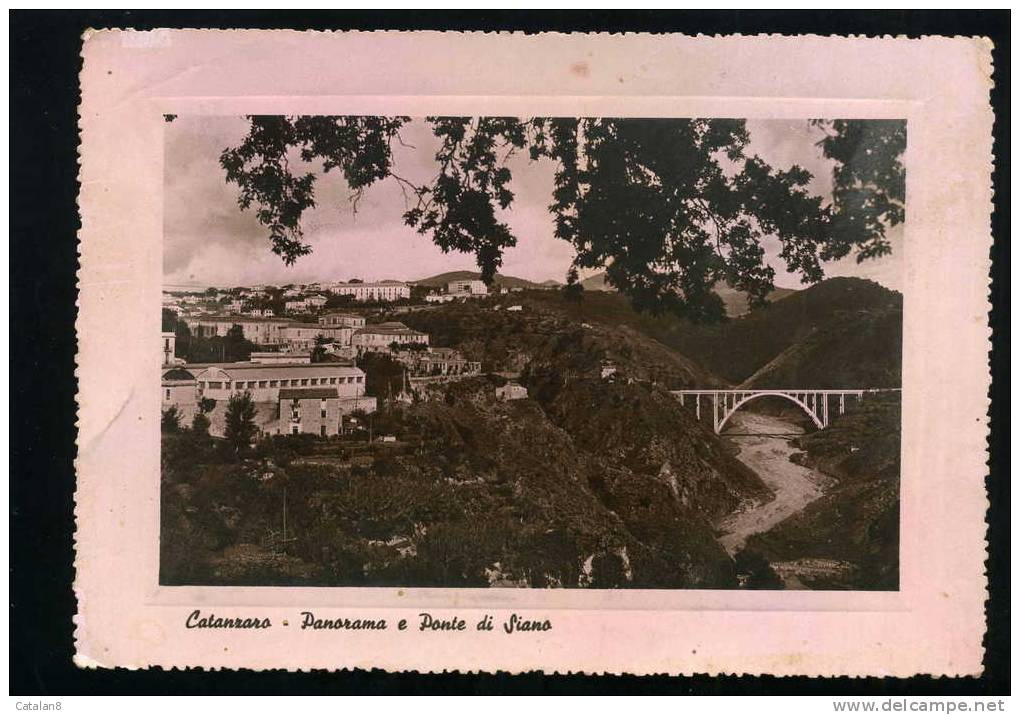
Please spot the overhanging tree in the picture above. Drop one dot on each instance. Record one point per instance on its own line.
(668, 207)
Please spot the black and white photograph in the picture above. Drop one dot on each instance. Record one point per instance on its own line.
(531, 352)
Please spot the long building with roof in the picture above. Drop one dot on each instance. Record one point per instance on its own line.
(264, 381)
(385, 291)
(381, 337)
(294, 398)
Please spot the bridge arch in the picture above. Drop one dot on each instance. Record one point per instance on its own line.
(769, 393)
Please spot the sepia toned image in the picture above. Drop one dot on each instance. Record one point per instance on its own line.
(494, 352)
(532, 352)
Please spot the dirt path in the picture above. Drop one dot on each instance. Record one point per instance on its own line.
(769, 456)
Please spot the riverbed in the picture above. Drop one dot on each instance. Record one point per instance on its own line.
(765, 447)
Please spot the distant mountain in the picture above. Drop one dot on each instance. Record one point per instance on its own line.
(440, 281)
(735, 301)
(597, 282)
(842, 332)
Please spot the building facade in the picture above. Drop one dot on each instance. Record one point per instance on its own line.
(467, 288)
(261, 331)
(439, 362)
(511, 391)
(382, 292)
(169, 341)
(380, 337)
(264, 381)
(342, 320)
(304, 305)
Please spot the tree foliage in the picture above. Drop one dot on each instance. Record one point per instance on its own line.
(240, 422)
(170, 419)
(668, 207)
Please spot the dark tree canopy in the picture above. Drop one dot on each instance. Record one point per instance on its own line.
(240, 422)
(668, 207)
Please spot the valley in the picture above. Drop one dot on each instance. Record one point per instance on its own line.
(597, 478)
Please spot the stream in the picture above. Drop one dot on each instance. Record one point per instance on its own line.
(764, 444)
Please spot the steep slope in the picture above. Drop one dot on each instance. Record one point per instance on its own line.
(735, 301)
(506, 341)
(853, 349)
(477, 492)
(848, 539)
(824, 313)
(626, 418)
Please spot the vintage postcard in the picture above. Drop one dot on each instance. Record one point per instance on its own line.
(572, 353)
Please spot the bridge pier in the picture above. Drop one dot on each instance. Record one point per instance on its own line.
(814, 402)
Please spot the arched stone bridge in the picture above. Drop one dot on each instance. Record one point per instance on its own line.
(816, 403)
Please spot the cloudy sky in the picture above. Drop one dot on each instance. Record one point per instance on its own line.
(208, 240)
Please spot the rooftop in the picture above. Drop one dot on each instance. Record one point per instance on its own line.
(308, 393)
(242, 319)
(269, 371)
(377, 284)
(389, 328)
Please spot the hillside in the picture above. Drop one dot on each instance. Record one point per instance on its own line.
(627, 419)
(842, 332)
(854, 348)
(477, 492)
(440, 280)
(507, 341)
(735, 301)
(854, 529)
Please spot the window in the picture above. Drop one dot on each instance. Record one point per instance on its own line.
(262, 383)
(304, 382)
(293, 383)
(315, 381)
(168, 398)
(216, 385)
(322, 431)
(294, 429)
(360, 378)
(274, 383)
(322, 414)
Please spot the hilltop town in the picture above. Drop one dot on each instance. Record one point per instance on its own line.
(300, 346)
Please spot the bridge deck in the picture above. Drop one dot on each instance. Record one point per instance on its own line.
(815, 402)
(790, 390)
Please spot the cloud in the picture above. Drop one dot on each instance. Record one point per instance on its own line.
(209, 240)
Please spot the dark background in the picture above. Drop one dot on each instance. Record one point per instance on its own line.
(45, 62)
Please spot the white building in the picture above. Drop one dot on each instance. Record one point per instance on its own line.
(304, 305)
(439, 298)
(264, 381)
(169, 341)
(301, 336)
(385, 292)
(511, 391)
(379, 337)
(261, 331)
(467, 288)
(281, 358)
(342, 320)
